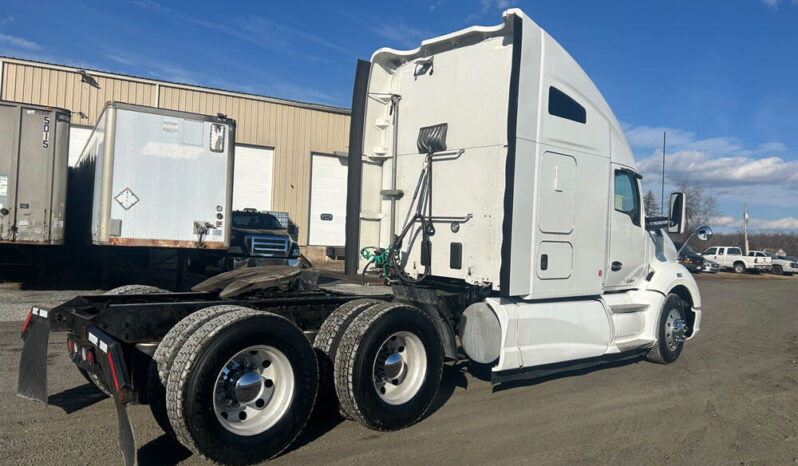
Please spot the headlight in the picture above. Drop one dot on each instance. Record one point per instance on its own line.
(294, 252)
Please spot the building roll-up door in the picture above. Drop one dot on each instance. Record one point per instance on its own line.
(327, 226)
(252, 178)
(78, 136)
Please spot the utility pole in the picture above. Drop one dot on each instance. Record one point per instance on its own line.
(745, 226)
(662, 194)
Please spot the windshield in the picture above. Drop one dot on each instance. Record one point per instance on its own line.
(256, 220)
(684, 247)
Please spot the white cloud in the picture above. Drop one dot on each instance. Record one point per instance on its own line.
(724, 221)
(19, 42)
(702, 168)
(772, 4)
(498, 4)
(400, 33)
(786, 223)
(253, 29)
(755, 224)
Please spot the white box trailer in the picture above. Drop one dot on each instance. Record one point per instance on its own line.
(156, 178)
(34, 148)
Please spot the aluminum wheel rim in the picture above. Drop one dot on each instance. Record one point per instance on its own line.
(253, 390)
(399, 368)
(675, 330)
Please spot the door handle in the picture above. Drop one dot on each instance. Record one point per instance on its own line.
(616, 266)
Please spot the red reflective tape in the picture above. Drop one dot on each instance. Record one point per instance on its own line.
(113, 371)
(69, 345)
(27, 321)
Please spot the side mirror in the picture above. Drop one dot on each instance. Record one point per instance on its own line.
(704, 233)
(677, 221)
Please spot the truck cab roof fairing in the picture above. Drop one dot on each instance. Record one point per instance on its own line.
(576, 78)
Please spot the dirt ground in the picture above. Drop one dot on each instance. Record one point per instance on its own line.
(731, 398)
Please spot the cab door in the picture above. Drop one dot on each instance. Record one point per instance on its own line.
(626, 261)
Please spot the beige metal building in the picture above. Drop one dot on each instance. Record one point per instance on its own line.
(285, 151)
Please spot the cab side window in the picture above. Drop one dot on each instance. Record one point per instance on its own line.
(627, 196)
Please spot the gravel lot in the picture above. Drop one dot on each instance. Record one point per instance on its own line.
(731, 398)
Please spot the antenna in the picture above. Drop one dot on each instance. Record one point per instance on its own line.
(662, 194)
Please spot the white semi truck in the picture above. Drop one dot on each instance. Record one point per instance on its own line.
(492, 191)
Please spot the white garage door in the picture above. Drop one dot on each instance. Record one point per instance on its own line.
(78, 136)
(252, 178)
(327, 201)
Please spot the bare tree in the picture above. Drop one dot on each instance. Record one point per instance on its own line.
(701, 207)
(650, 204)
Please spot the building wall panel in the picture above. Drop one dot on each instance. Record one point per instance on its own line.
(294, 131)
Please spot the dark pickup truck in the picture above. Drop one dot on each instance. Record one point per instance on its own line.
(256, 239)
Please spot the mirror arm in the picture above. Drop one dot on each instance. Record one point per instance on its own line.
(656, 223)
(685, 243)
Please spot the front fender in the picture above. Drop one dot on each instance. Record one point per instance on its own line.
(672, 277)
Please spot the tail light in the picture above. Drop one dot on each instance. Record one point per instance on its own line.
(69, 345)
(27, 321)
(113, 370)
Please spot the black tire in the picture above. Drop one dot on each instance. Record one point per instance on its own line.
(161, 364)
(96, 381)
(778, 270)
(661, 353)
(355, 362)
(190, 389)
(135, 289)
(327, 340)
(739, 267)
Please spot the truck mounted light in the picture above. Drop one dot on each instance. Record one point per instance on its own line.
(27, 321)
(113, 370)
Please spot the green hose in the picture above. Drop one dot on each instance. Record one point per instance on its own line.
(380, 257)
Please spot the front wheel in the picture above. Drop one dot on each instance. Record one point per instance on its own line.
(388, 366)
(671, 331)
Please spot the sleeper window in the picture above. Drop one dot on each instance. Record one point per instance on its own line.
(627, 197)
(563, 106)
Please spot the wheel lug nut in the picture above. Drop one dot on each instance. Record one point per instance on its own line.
(260, 403)
(268, 383)
(242, 415)
(266, 363)
(224, 414)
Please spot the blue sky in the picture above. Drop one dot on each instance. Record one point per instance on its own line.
(720, 75)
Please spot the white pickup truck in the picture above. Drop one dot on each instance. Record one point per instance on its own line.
(780, 265)
(731, 257)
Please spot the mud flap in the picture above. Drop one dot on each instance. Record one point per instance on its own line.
(33, 362)
(114, 372)
(127, 442)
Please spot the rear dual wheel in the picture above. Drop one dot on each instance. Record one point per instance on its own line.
(388, 366)
(326, 344)
(161, 364)
(242, 387)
